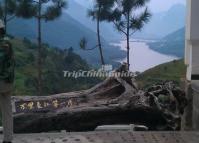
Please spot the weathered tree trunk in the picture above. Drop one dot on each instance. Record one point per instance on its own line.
(114, 101)
(39, 64)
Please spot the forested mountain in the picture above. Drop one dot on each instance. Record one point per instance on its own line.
(172, 44)
(66, 31)
(54, 62)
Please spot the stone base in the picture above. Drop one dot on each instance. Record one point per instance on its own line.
(195, 88)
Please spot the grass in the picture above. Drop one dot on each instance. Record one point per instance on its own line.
(172, 71)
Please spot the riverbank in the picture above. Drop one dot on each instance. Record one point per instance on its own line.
(142, 57)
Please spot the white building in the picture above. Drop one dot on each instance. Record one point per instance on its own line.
(192, 40)
(192, 58)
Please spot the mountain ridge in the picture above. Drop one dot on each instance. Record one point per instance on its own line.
(172, 44)
(65, 32)
(163, 23)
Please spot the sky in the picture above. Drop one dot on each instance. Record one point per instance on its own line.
(163, 5)
(154, 5)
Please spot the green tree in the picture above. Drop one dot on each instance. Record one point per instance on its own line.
(7, 11)
(101, 11)
(131, 19)
(46, 10)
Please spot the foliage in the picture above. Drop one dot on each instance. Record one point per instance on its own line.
(129, 19)
(7, 11)
(26, 9)
(9, 5)
(55, 61)
(50, 9)
(102, 9)
(47, 10)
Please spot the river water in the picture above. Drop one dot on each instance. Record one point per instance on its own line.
(142, 57)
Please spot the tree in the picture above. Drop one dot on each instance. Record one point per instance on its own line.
(7, 11)
(102, 9)
(46, 10)
(129, 20)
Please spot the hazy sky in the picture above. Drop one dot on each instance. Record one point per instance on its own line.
(155, 5)
(163, 5)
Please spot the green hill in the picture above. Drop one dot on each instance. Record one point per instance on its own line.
(54, 62)
(172, 71)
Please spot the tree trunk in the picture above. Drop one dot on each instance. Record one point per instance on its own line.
(39, 64)
(5, 15)
(128, 44)
(99, 39)
(114, 101)
(128, 53)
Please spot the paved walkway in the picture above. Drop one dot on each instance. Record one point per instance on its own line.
(109, 137)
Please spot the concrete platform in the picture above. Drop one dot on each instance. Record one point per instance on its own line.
(109, 137)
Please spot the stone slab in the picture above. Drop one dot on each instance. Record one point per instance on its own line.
(109, 137)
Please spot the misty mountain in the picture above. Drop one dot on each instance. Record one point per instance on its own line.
(161, 24)
(64, 32)
(79, 11)
(74, 24)
(172, 44)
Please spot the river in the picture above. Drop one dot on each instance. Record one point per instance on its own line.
(142, 57)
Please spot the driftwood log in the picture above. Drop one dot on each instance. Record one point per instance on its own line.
(114, 101)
